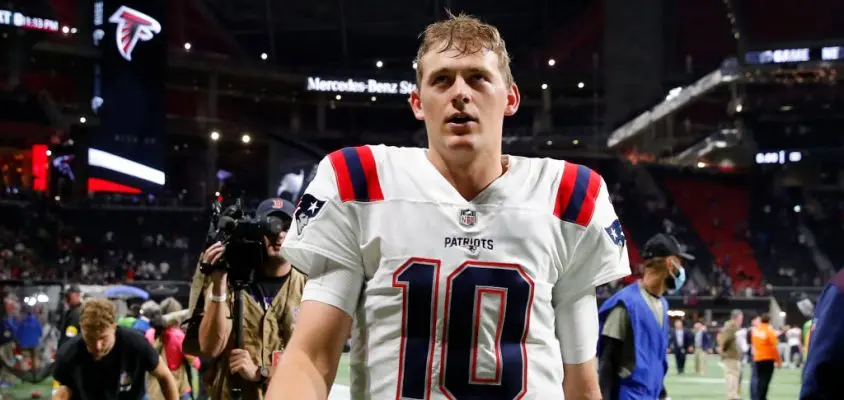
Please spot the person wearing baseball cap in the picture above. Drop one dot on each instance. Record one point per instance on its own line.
(70, 321)
(634, 325)
(270, 306)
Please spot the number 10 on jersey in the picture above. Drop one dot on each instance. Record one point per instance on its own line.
(463, 314)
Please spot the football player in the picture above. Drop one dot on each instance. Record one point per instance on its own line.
(461, 272)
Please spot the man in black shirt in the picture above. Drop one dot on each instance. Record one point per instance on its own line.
(108, 362)
(70, 319)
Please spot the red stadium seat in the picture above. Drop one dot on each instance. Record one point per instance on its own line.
(714, 208)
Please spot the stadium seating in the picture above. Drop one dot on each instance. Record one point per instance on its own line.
(715, 209)
(825, 217)
(779, 247)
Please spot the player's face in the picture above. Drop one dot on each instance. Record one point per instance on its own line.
(99, 343)
(463, 100)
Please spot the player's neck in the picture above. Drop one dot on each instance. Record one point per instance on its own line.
(470, 178)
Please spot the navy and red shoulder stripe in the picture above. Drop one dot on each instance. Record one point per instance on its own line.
(357, 174)
(577, 194)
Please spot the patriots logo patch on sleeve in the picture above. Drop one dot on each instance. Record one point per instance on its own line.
(308, 208)
(616, 233)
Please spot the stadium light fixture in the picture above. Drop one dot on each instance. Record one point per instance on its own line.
(581, 85)
(544, 86)
(83, 120)
(552, 62)
(65, 29)
(379, 63)
(215, 136)
(73, 31)
(187, 46)
(264, 56)
(246, 138)
(372, 99)
(338, 97)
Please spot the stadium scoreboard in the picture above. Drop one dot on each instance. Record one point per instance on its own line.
(795, 55)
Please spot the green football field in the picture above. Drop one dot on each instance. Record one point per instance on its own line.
(710, 385)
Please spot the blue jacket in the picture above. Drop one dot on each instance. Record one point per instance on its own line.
(825, 361)
(650, 341)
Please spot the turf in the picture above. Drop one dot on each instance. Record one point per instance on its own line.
(709, 385)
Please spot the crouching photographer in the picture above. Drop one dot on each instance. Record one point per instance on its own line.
(252, 300)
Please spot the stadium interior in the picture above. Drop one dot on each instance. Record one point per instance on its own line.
(715, 121)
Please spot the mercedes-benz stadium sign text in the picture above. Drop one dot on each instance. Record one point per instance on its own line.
(26, 22)
(369, 86)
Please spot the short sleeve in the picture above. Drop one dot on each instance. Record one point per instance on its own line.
(323, 243)
(615, 326)
(334, 284)
(600, 254)
(576, 324)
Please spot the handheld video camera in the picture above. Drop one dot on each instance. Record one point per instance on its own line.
(242, 236)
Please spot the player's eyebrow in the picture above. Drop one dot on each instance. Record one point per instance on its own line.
(448, 71)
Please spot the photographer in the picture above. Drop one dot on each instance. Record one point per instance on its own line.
(270, 304)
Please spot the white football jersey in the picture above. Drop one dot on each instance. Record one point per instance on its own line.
(453, 298)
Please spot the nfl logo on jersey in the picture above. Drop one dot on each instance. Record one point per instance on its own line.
(468, 217)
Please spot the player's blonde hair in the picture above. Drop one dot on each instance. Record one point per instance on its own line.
(97, 315)
(467, 35)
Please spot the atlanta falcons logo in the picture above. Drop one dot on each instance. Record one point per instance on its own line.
(132, 25)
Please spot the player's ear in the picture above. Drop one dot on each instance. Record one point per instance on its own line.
(416, 105)
(513, 100)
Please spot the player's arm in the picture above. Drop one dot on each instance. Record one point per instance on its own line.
(323, 244)
(577, 330)
(62, 373)
(309, 364)
(597, 255)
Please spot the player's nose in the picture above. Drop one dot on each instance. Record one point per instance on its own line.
(460, 94)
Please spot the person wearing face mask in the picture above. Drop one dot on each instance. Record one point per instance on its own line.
(270, 308)
(634, 326)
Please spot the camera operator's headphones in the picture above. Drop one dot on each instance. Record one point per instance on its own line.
(276, 213)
